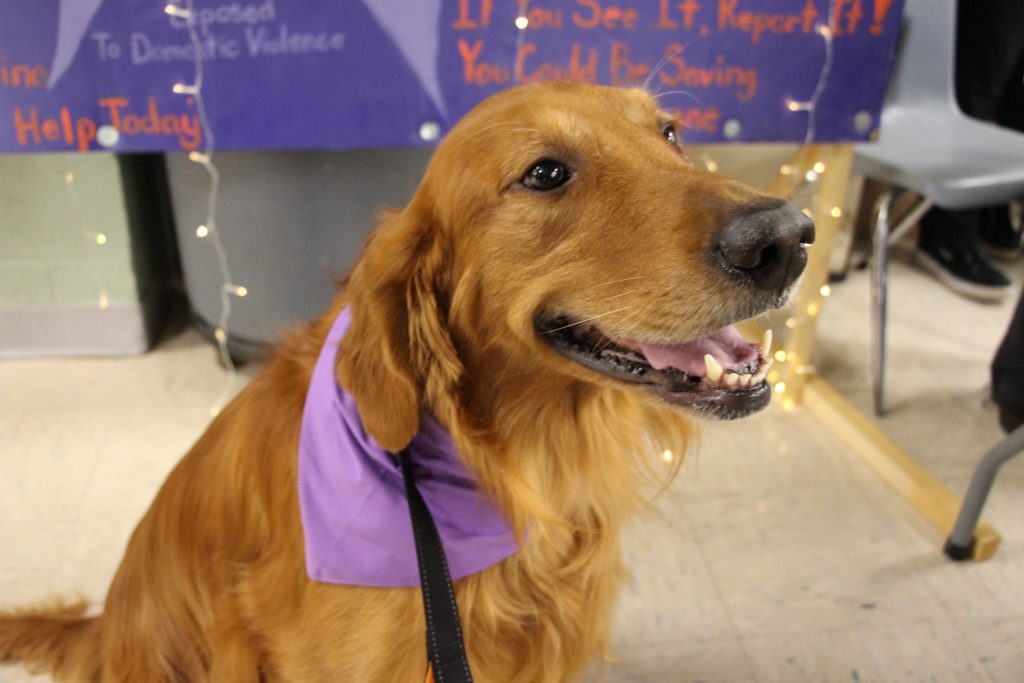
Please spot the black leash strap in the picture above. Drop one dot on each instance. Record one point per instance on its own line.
(445, 648)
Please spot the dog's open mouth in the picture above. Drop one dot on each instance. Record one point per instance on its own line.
(720, 374)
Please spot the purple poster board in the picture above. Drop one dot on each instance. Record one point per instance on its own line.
(298, 74)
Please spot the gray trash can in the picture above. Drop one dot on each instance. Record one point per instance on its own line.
(289, 222)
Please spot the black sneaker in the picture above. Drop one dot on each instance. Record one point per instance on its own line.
(1000, 234)
(965, 270)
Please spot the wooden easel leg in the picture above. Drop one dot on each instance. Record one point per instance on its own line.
(793, 377)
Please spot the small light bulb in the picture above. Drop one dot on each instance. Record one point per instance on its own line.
(811, 176)
(220, 335)
(522, 22)
(780, 356)
(819, 167)
(198, 157)
(836, 212)
(241, 290)
(101, 239)
(175, 11)
(202, 231)
(430, 131)
(786, 169)
(667, 456)
(825, 290)
(104, 302)
(791, 323)
(780, 387)
(183, 89)
(813, 308)
(793, 105)
(788, 405)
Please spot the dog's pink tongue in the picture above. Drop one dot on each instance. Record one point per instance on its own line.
(726, 345)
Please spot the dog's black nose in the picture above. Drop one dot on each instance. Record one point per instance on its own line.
(766, 247)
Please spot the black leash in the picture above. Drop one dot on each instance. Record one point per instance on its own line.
(445, 648)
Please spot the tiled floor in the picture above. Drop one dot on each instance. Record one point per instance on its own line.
(778, 556)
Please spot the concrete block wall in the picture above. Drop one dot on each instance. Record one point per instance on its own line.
(83, 258)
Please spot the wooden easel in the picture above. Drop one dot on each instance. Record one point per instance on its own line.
(801, 387)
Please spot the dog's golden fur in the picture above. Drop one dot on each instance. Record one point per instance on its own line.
(213, 586)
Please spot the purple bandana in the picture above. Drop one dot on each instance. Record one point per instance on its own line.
(354, 513)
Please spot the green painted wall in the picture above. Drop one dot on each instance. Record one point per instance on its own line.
(64, 232)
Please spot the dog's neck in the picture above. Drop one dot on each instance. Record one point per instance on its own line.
(556, 452)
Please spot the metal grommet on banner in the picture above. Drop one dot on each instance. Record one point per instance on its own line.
(108, 136)
(430, 131)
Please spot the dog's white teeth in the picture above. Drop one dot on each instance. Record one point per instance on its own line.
(766, 344)
(730, 379)
(714, 368)
(760, 374)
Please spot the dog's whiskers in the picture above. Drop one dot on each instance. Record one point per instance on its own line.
(659, 66)
(608, 340)
(680, 92)
(495, 126)
(612, 282)
(585, 320)
(641, 317)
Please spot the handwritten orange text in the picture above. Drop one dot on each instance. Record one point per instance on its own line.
(759, 23)
(703, 119)
(581, 66)
(611, 17)
(678, 72)
(22, 75)
(33, 128)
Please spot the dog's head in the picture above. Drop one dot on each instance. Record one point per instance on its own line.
(562, 236)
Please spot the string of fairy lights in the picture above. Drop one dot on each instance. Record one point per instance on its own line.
(209, 230)
(801, 193)
(791, 364)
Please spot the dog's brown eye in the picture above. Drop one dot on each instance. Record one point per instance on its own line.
(669, 131)
(547, 175)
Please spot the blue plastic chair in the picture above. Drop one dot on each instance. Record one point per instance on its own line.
(927, 146)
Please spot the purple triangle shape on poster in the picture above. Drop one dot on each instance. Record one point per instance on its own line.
(72, 23)
(413, 26)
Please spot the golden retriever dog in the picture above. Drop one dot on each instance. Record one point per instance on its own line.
(559, 294)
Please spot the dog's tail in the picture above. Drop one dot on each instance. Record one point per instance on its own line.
(54, 638)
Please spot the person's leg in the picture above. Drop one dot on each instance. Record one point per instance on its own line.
(1008, 372)
(948, 248)
(999, 233)
(1002, 234)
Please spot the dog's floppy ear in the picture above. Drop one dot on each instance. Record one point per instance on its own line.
(398, 339)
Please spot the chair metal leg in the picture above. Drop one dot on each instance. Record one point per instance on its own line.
(879, 292)
(960, 544)
(884, 236)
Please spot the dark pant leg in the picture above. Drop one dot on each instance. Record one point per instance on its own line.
(1008, 366)
(957, 230)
